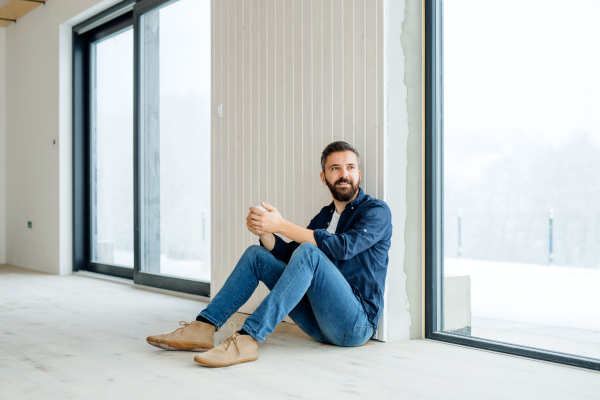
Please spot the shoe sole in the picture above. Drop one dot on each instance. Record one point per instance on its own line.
(179, 345)
(217, 365)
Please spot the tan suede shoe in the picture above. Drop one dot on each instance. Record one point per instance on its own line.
(195, 336)
(236, 349)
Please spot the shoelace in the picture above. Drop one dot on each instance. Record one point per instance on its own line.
(233, 338)
(183, 326)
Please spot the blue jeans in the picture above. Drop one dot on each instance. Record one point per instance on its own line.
(310, 289)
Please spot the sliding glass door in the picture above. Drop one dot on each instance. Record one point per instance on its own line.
(111, 149)
(175, 131)
(513, 177)
(142, 144)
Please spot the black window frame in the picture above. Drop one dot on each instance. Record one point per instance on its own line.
(113, 20)
(433, 207)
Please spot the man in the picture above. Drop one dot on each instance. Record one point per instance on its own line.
(329, 279)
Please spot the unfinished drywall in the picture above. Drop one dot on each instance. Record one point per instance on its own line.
(403, 181)
(398, 316)
(2, 147)
(411, 41)
(38, 110)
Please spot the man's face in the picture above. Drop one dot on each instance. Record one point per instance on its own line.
(342, 175)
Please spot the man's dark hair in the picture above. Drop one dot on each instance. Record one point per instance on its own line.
(334, 148)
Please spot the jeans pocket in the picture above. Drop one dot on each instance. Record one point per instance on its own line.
(357, 336)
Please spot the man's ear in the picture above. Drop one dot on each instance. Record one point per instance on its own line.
(323, 177)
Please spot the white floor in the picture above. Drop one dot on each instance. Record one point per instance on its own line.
(75, 337)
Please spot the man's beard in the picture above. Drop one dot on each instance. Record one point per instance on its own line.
(343, 194)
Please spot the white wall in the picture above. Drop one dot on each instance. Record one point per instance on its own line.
(38, 110)
(38, 178)
(404, 180)
(412, 44)
(2, 146)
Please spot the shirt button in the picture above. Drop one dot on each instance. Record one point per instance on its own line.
(352, 208)
(365, 230)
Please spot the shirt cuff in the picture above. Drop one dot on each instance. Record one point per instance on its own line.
(320, 236)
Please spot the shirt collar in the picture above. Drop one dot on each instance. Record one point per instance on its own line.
(353, 203)
(357, 200)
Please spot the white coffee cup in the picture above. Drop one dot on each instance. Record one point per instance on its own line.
(261, 208)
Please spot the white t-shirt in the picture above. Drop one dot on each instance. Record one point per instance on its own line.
(333, 223)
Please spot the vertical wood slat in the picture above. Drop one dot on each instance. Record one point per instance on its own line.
(261, 108)
(359, 78)
(231, 194)
(380, 101)
(370, 154)
(307, 114)
(289, 107)
(280, 113)
(250, 132)
(273, 79)
(298, 132)
(338, 70)
(240, 128)
(348, 71)
(319, 192)
(327, 32)
(292, 77)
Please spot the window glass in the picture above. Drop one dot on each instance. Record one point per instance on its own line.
(112, 150)
(522, 173)
(176, 135)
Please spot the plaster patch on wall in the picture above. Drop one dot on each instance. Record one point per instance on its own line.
(411, 43)
(398, 301)
(2, 147)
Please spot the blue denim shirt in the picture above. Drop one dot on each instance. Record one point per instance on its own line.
(359, 248)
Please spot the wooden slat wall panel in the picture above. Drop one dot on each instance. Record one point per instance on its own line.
(380, 136)
(292, 76)
(370, 153)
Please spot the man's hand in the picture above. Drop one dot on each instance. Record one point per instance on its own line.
(261, 221)
(251, 227)
(267, 238)
(265, 224)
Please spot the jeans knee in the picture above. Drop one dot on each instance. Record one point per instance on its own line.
(305, 249)
(253, 250)
(252, 253)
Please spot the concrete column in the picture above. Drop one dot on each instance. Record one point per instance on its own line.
(150, 103)
(403, 180)
(2, 146)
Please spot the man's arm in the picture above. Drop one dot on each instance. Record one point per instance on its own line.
(268, 240)
(372, 225)
(297, 233)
